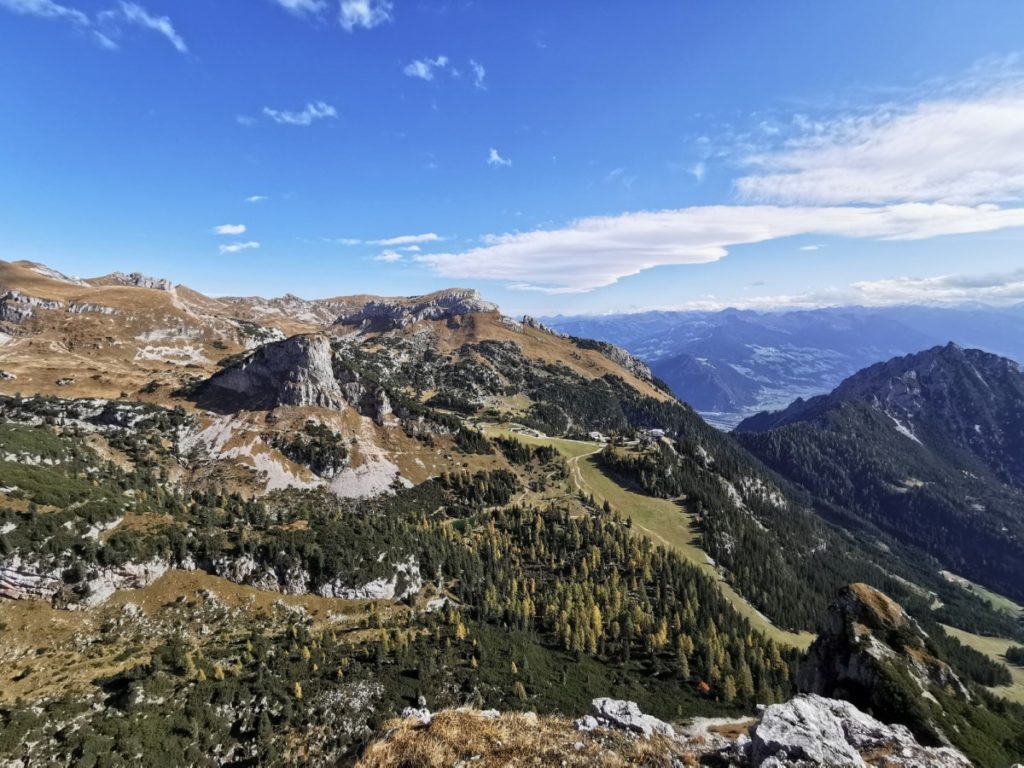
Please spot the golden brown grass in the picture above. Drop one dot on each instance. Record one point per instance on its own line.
(513, 739)
(884, 607)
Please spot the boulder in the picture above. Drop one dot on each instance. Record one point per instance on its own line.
(623, 716)
(811, 730)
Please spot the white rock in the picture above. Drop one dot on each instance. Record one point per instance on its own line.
(626, 716)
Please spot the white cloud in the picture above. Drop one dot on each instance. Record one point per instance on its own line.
(313, 111)
(596, 252)
(810, 247)
(256, 198)
(699, 170)
(236, 247)
(229, 229)
(496, 160)
(46, 9)
(367, 14)
(426, 237)
(1003, 288)
(388, 256)
(134, 14)
(407, 240)
(479, 73)
(956, 148)
(107, 25)
(424, 68)
(302, 7)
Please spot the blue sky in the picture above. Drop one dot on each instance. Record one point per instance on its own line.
(561, 157)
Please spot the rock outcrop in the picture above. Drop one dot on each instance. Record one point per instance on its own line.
(873, 654)
(806, 732)
(297, 371)
(620, 357)
(391, 314)
(811, 730)
(405, 581)
(624, 716)
(135, 280)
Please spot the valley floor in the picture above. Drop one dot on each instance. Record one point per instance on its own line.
(994, 648)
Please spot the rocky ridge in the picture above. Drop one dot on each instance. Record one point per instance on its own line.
(805, 732)
(392, 314)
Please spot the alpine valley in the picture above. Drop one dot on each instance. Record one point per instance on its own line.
(414, 531)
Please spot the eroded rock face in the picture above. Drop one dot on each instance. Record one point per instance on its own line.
(138, 280)
(384, 315)
(873, 654)
(812, 730)
(405, 581)
(297, 371)
(22, 579)
(621, 357)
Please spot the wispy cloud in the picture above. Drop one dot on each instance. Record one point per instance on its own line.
(364, 14)
(256, 198)
(957, 149)
(699, 170)
(388, 256)
(397, 240)
(495, 159)
(352, 14)
(229, 229)
(945, 164)
(318, 110)
(810, 247)
(596, 252)
(46, 9)
(302, 7)
(135, 15)
(479, 73)
(236, 247)
(425, 69)
(107, 25)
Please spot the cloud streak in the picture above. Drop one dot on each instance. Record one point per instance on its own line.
(46, 9)
(107, 25)
(596, 252)
(236, 247)
(398, 240)
(313, 111)
(229, 229)
(135, 15)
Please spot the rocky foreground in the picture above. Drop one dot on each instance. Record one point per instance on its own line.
(809, 730)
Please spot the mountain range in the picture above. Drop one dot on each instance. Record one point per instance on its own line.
(242, 531)
(732, 363)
